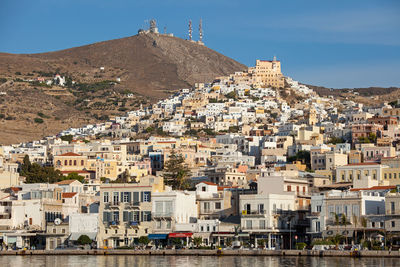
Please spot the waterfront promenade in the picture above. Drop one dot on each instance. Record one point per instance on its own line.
(194, 252)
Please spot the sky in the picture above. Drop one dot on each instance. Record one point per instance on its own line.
(336, 44)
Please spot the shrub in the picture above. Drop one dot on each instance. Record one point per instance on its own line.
(300, 246)
(38, 120)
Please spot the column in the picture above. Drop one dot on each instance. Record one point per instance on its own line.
(269, 240)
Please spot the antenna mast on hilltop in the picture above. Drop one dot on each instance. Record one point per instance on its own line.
(153, 26)
(201, 31)
(190, 30)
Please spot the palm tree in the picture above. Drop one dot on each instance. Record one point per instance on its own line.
(337, 220)
(364, 224)
(197, 241)
(344, 222)
(355, 222)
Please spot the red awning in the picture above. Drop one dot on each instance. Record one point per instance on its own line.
(180, 235)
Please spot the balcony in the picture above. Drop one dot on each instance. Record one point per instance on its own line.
(253, 213)
(133, 224)
(114, 224)
(162, 214)
(111, 205)
(135, 204)
(313, 215)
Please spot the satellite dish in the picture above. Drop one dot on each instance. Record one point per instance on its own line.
(57, 221)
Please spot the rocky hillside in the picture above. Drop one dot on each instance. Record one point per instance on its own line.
(102, 79)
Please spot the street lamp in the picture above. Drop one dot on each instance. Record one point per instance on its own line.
(290, 234)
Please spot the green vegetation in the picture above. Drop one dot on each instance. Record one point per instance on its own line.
(365, 140)
(2, 116)
(144, 240)
(68, 138)
(38, 120)
(3, 80)
(176, 172)
(303, 156)
(84, 240)
(18, 73)
(301, 246)
(75, 176)
(231, 95)
(36, 173)
(336, 140)
(93, 87)
(197, 241)
(40, 114)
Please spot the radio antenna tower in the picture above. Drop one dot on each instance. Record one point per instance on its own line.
(201, 31)
(190, 30)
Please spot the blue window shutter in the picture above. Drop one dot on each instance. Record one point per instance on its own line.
(141, 196)
(141, 216)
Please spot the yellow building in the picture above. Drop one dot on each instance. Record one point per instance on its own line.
(267, 73)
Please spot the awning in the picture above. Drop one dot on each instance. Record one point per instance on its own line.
(333, 232)
(157, 236)
(75, 236)
(180, 235)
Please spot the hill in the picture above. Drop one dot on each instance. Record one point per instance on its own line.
(102, 79)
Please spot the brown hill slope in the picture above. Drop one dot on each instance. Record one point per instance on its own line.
(146, 63)
(150, 66)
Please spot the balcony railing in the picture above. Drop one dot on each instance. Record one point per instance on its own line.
(253, 212)
(162, 214)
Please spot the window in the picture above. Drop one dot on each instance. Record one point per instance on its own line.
(262, 224)
(146, 196)
(217, 205)
(158, 224)
(206, 206)
(115, 216)
(105, 197)
(126, 197)
(249, 224)
(289, 188)
(392, 207)
(393, 224)
(115, 197)
(54, 231)
(203, 189)
(168, 224)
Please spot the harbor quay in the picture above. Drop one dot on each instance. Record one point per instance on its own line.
(216, 252)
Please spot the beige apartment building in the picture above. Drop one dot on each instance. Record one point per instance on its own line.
(125, 211)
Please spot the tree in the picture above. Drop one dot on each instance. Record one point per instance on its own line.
(303, 156)
(75, 176)
(36, 173)
(335, 140)
(355, 222)
(364, 225)
(123, 178)
(197, 241)
(176, 172)
(344, 222)
(68, 137)
(84, 240)
(144, 240)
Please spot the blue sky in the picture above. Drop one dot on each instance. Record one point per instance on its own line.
(330, 43)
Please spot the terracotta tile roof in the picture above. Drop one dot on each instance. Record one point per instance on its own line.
(70, 154)
(209, 183)
(15, 189)
(68, 195)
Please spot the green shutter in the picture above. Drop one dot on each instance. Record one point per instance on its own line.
(125, 216)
